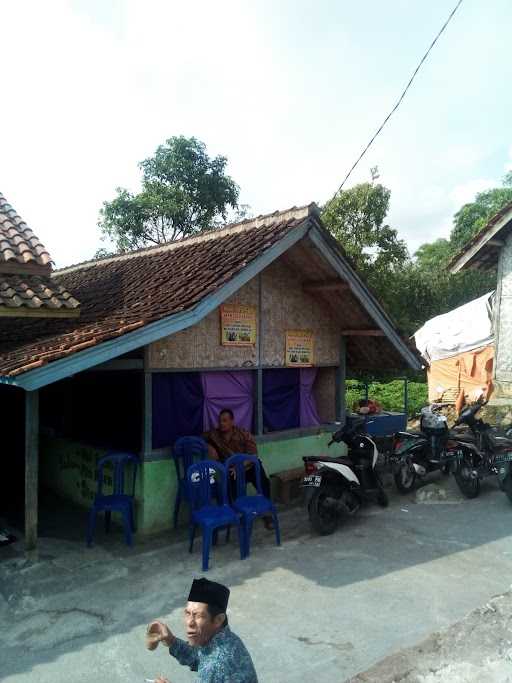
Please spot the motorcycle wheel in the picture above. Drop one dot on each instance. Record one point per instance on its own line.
(324, 518)
(405, 478)
(506, 485)
(469, 486)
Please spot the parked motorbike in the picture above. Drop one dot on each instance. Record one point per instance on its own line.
(416, 454)
(489, 454)
(336, 487)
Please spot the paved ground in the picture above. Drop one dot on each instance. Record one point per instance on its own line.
(319, 609)
(477, 649)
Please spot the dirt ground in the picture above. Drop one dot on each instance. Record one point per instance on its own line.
(477, 649)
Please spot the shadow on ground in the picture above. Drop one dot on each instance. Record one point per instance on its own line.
(308, 609)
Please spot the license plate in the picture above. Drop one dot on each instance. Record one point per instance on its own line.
(312, 480)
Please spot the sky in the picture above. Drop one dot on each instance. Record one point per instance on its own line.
(290, 91)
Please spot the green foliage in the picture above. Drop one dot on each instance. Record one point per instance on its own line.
(390, 395)
(472, 217)
(412, 290)
(184, 191)
(356, 218)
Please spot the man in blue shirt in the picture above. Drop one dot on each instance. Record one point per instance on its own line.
(213, 650)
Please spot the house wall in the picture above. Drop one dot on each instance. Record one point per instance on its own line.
(159, 477)
(284, 307)
(68, 469)
(323, 390)
(503, 323)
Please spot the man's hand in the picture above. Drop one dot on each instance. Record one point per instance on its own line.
(162, 632)
(161, 680)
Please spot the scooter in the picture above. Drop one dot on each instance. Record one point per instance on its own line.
(416, 454)
(490, 454)
(337, 487)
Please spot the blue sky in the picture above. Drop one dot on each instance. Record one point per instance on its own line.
(289, 91)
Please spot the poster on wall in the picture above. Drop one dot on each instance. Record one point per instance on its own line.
(238, 325)
(299, 348)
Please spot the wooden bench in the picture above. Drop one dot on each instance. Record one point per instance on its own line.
(288, 484)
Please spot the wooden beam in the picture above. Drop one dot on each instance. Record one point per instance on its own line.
(120, 364)
(31, 468)
(362, 333)
(341, 380)
(15, 268)
(24, 312)
(325, 286)
(259, 342)
(147, 414)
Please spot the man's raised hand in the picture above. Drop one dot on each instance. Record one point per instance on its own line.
(158, 632)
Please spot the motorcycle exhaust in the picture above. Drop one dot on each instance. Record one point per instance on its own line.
(420, 471)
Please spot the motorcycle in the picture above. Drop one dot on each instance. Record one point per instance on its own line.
(489, 454)
(337, 486)
(416, 454)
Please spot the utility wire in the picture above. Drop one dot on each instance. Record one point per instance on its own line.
(399, 102)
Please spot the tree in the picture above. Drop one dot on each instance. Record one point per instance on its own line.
(412, 290)
(356, 218)
(473, 216)
(184, 191)
(433, 256)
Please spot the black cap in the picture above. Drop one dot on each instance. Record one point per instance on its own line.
(209, 592)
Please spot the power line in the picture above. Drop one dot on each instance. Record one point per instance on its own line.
(399, 102)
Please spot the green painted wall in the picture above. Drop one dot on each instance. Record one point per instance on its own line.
(159, 478)
(68, 469)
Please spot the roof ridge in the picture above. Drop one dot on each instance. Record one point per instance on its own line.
(294, 213)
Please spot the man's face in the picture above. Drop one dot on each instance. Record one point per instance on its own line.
(225, 422)
(199, 625)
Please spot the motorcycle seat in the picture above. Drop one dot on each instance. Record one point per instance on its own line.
(341, 460)
(465, 438)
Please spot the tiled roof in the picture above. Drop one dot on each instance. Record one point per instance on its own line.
(120, 294)
(36, 292)
(483, 231)
(18, 244)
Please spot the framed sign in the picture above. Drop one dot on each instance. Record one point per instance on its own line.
(299, 348)
(237, 325)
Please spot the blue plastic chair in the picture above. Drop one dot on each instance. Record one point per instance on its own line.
(118, 500)
(250, 507)
(186, 451)
(208, 496)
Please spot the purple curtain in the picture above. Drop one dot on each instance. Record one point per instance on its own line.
(281, 399)
(177, 406)
(233, 390)
(308, 412)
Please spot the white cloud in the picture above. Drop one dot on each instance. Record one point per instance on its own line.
(508, 164)
(466, 192)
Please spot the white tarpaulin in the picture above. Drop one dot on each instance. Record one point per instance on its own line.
(463, 329)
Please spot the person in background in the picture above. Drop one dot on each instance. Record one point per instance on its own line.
(213, 650)
(229, 439)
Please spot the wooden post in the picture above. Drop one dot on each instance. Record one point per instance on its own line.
(31, 468)
(147, 414)
(259, 381)
(341, 377)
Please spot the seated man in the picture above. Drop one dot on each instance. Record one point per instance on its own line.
(229, 439)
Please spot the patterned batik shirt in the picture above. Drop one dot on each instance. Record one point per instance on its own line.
(224, 659)
(240, 441)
